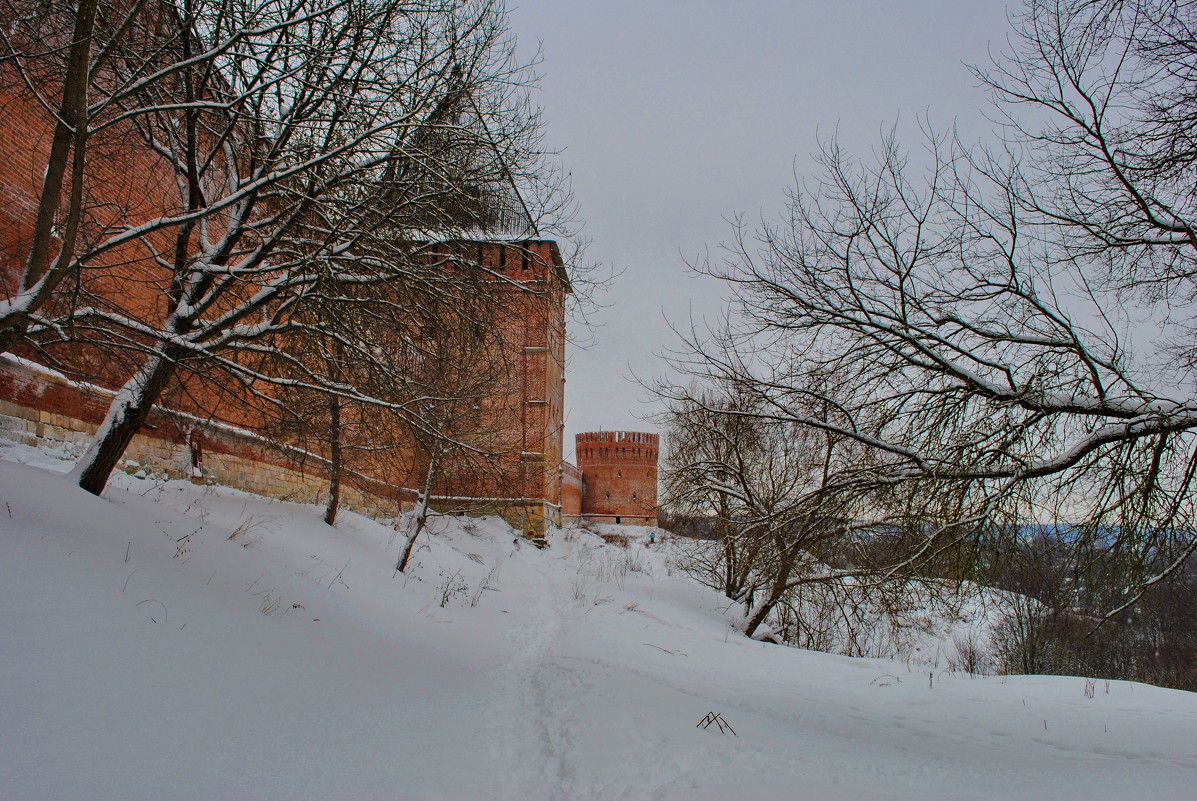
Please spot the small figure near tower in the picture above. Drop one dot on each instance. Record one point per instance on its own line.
(619, 477)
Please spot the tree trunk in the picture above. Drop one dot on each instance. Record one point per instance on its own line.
(70, 129)
(128, 412)
(421, 516)
(334, 453)
(757, 615)
(12, 329)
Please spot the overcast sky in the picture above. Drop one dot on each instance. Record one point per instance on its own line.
(674, 116)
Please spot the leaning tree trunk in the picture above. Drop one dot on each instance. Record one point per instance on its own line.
(334, 454)
(758, 613)
(128, 412)
(420, 517)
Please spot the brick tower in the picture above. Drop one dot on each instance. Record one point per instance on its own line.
(619, 474)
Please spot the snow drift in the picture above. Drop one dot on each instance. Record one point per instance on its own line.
(184, 642)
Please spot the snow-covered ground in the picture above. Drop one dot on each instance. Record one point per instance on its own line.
(171, 641)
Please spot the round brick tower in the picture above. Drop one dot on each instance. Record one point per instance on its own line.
(619, 477)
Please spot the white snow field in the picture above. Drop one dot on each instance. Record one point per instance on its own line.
(171, 641)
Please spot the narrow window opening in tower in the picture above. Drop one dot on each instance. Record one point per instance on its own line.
(619, 473)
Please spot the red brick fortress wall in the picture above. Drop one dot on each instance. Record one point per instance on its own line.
(619, 471)
(571, 491)
(41, 407)
(523, 416)
(515, 426)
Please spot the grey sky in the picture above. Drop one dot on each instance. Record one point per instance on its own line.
(673, 116)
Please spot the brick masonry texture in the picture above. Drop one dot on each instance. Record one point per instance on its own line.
(131, 185)
(619, 476)
(41, 407)
(571, 490)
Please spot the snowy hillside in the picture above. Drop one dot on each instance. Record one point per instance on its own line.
(171, 641)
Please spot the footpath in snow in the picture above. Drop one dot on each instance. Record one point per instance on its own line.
(173, 641)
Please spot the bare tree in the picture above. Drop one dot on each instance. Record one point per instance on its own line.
(95, 71)
(991, 316)
(779, 518)
(440, 362)
(41, 29)
(348, 350)
(323, 147)
(459, 382)
(815, 551)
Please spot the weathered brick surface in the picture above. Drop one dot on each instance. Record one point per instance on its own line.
(619, 476)
(571, 491)
(231, 457)
(528, 433)
(129, 185)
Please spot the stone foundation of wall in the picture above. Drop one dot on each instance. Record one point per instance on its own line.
(161, 458)
(47, 409)
(620, 520)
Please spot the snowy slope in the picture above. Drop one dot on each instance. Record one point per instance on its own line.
(178, 642)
